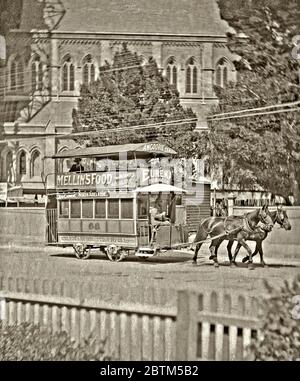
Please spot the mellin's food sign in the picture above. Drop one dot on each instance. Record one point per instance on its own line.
(95, 180)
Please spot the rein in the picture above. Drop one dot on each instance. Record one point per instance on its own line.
(208, 240)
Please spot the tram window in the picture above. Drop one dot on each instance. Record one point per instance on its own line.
(113, 209)
(126, 209)
(100, 209)
(64, 209)
(87, 209)
(143, 207)
(75, 209)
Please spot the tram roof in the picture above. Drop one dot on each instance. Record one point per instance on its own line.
(141, 149)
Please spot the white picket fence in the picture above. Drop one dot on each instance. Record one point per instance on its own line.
(201, 326)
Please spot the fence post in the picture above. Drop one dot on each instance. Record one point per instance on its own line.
(187, 326)
(231, 204)
(3, 309)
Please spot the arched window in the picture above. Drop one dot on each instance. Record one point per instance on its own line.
(36, 164)
(13, 76)
(68, 75)
(191, 85)
(22, 163)
(172, 72)
(221, 75)
(218, 76)
(225, 76)
(37, 75)
(89, 72)
(17, 74)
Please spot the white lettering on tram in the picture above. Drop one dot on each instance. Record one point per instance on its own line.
(87, 179)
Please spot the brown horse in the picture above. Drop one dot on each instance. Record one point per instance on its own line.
(259, 235)
(231, 228)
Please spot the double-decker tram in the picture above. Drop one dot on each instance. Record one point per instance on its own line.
(120, 199)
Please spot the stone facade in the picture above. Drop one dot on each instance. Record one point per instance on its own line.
(60, 44)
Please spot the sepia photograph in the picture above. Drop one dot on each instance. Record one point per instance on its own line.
(149, 183)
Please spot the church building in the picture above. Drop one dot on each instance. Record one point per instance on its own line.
(61, 44)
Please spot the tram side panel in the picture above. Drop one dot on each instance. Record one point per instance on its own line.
(99, 222)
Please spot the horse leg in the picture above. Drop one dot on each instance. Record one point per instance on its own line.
(198, 247)
(229, 247)
(236, 252)
(214, 251)
(246, 259)
(245, 246)
(261, 253)
(214, 256)
(201, 236)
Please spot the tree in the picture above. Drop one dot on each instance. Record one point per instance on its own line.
(260, 150)
(129, 94)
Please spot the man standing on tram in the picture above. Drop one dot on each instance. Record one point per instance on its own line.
(77, 166)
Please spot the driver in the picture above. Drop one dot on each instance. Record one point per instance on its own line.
(158, 217)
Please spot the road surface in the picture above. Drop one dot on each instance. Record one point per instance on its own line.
(169, 271)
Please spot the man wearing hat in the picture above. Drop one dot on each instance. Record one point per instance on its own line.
(77, 167)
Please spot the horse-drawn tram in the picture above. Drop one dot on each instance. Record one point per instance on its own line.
(123, 200)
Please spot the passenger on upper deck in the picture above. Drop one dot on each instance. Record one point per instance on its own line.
(77, 167)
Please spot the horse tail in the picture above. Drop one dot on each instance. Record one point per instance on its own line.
(201, 232)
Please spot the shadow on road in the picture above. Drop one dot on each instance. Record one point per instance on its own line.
(163, 259)
(166, 258)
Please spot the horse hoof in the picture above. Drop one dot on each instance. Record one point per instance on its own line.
(211, 257)
(264, 265)
(245, 260)
(194, 263)
(232, 265)
(250, 266)
(216, 265)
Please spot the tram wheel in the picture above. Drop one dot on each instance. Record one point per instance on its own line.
(116, 254)
(82, 252)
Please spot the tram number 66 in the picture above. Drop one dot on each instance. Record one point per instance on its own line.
(94, 226)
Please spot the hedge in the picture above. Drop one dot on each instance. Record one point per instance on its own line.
(27, 342)
(280, 325)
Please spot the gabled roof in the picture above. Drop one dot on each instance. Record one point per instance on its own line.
(154, 17)
(114, 151)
